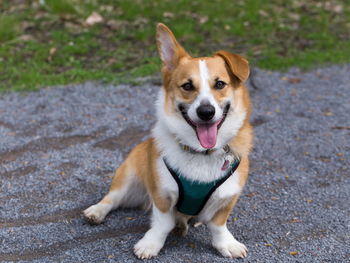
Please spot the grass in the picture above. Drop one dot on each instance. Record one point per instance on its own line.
(8, 29)
(48, 42)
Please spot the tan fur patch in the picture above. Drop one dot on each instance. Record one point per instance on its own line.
(222, 214)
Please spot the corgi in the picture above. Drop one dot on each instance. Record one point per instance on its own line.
(195, 164)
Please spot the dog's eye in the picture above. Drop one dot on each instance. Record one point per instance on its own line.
(219, 84)
(188, 86)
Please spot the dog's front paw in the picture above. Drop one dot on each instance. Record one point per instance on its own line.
(147, 248)
(95, 214)
(232, 249)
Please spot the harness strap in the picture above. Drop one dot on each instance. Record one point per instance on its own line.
(194, 195)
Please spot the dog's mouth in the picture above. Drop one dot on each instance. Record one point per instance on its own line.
(206, 132)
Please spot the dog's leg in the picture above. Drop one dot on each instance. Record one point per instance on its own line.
(126, 190)
(222, 239)
(152, 242)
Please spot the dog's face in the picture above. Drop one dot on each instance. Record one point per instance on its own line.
(203, 103)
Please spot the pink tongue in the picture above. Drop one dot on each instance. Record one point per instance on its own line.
(207, 134)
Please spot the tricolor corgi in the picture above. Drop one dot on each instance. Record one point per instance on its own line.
(196, 162)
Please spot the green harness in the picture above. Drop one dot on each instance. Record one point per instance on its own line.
(194, 195)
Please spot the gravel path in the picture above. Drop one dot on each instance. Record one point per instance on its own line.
(60, 146)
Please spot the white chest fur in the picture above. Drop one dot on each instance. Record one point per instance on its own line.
(197, 167)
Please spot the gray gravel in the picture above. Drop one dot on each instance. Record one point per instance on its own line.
(60, 146)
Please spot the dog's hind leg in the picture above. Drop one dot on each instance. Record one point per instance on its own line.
(126, 190)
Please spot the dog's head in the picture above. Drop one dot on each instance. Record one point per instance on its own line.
(203, 102)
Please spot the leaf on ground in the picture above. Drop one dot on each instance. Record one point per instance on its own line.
(263, 13)
(294, 220)
(294, 16)
(26, 38)
(257, 50)
(294, 80)
(293, 253)
(115, 24)
(324, 159)
(107, 8)
(140, 21)
(251, 194)
(52, 52)
(73, 28)
(93, 19)
(168, 15)
(203, 19)
(333, 7)
(291, 80)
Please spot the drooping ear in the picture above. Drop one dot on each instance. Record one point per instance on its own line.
(238, 65)
(169, 49)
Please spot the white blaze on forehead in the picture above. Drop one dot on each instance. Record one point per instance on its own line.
(204, 76)
(205, 94)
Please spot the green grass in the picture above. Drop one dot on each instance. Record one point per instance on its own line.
(274, 34)
(8, 27)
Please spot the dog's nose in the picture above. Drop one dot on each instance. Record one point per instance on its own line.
(206, 112)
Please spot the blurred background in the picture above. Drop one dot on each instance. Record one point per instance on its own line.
(52, 42)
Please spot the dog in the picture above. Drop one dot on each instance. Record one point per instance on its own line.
(195, 164)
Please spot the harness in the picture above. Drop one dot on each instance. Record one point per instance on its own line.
(193, 195)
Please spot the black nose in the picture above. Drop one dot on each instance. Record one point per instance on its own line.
(206, 112)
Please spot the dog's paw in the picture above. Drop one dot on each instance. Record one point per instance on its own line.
(146, 248)
(95, 214)
(232, 249)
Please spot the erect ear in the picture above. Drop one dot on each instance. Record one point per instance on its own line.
(238, 65)
(169, 49)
